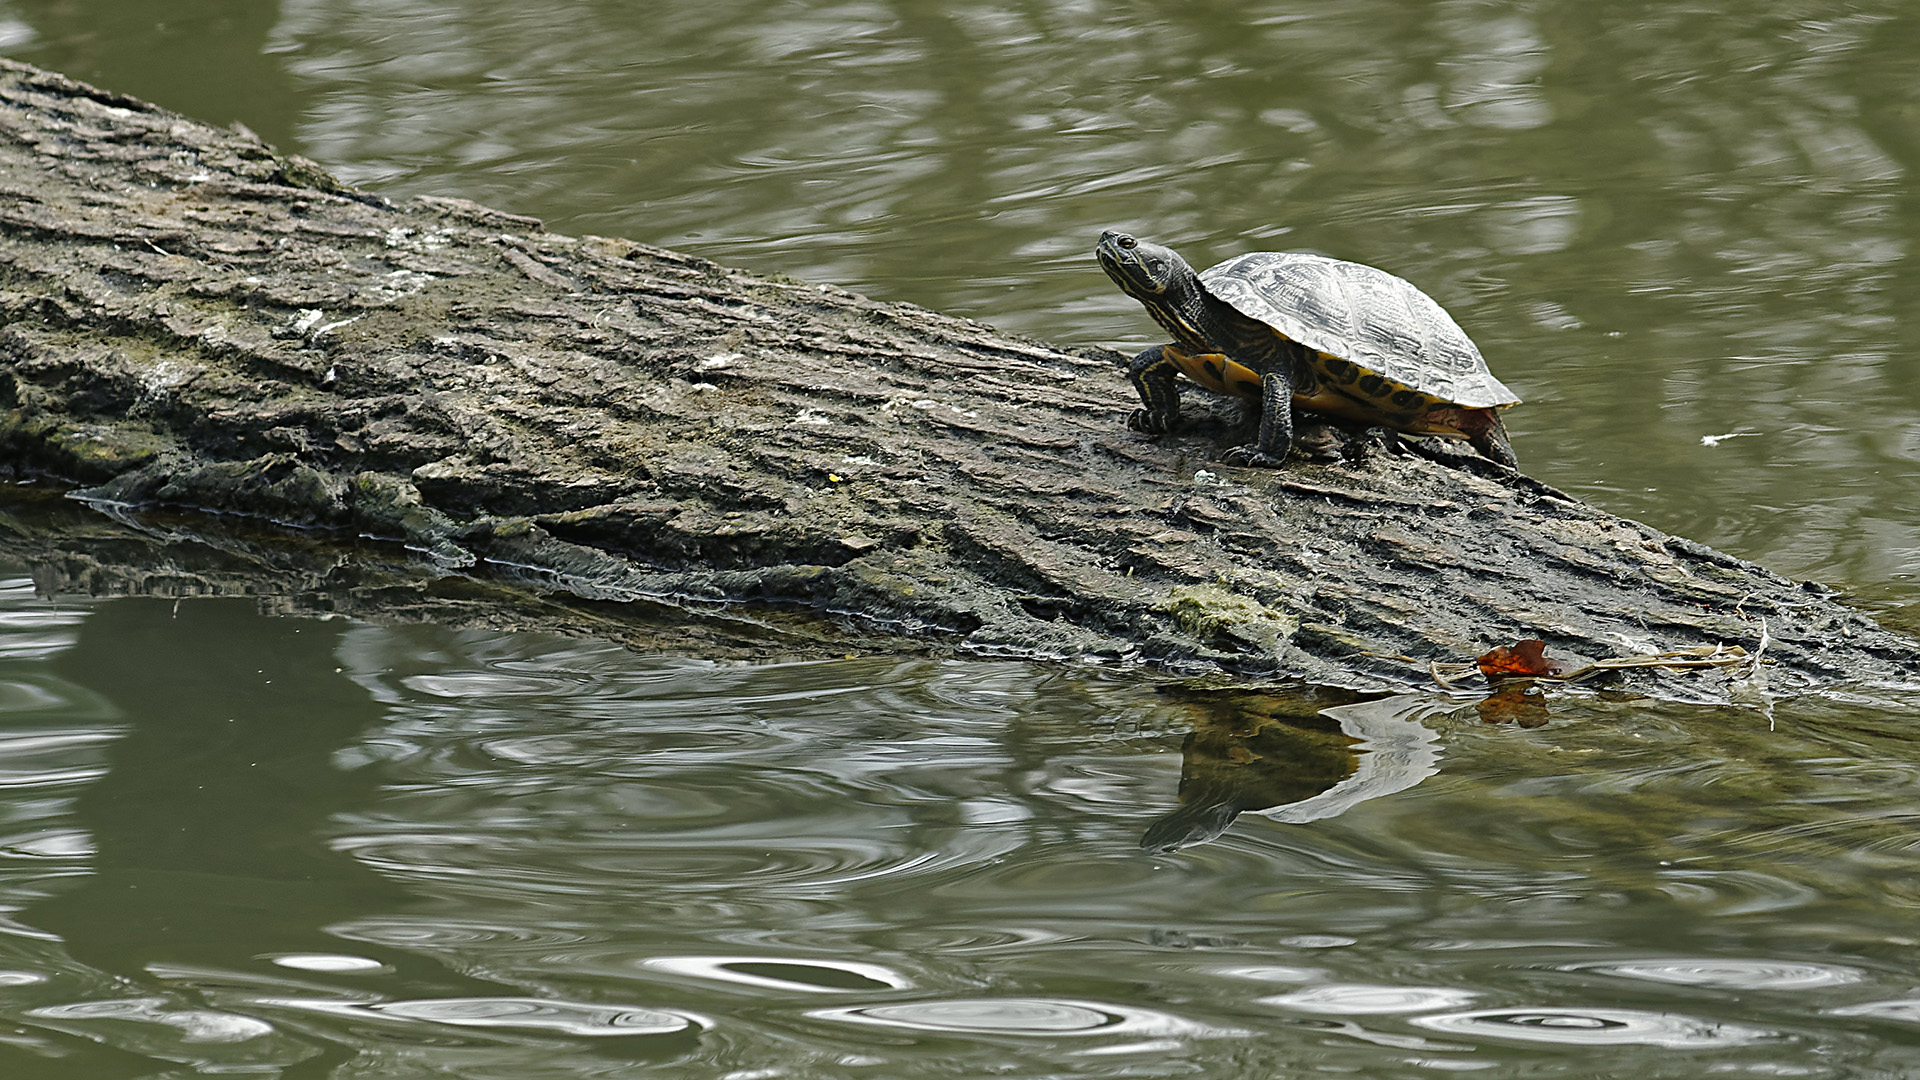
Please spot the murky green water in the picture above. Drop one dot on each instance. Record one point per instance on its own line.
(232, 843)
(279, 846)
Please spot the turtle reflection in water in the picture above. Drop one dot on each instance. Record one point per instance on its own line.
(1294, 758)
(1290, 330)
(1249, 751)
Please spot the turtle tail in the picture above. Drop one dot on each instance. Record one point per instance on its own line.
(1491, 440)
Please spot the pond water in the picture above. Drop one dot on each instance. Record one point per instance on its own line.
(266, 845)
(1684, 232)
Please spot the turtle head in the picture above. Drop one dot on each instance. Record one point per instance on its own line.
(1145, 271)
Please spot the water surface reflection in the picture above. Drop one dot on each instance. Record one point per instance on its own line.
(415, 850)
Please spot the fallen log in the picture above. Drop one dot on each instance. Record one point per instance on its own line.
(73, 551)
(190, 318)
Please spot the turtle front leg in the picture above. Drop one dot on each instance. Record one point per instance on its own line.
(1152, 374)
(1276, 425)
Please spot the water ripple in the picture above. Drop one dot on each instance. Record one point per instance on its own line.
(572, 1017)
(1737, 892)
(195, 1025)
(513, 1014)
(444, 933)
(1276, 973)
(41, 759)
(1731, 974)
(784, 973)
(208, 1040)
(330, 963)
(32, 628)
(1013, 1016)
(1318, 941)
(1907, 1009)
(1596, 1027)
(1358, 999)
(766, 859)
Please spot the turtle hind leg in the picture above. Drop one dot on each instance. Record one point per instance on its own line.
(1490, 439)
(1152, 374)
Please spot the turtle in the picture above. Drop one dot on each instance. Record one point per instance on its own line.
(1288, 330)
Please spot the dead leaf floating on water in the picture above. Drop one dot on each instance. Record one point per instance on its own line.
(1528, 659)
(1521, 660)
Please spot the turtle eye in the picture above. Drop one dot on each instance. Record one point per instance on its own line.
(1128, 243)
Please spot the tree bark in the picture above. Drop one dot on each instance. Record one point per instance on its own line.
(189, 318)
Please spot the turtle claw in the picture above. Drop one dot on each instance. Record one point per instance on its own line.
(1150, 422)
(1250, 457)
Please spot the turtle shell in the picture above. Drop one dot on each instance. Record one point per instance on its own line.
(1361, 314)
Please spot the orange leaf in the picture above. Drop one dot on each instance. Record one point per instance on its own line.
(1521, 660)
